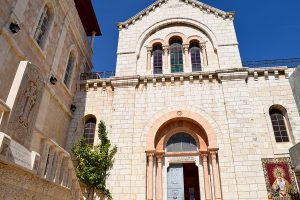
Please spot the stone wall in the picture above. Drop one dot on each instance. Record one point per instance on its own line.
(15, 183)
(235, 103)
(65, 33)
(295, 84)
(159, 20)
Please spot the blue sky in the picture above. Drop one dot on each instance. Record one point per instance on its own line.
(266, 29)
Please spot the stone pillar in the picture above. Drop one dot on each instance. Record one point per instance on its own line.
(93, 39)
(204, 53)
(207, 186)
(149, 52)
(186, 58)
(150, 176)
(50, 162)
(58, 167)
(166, 57)
(159, 177)
(65, 167)
(45, 151)
(215, 168)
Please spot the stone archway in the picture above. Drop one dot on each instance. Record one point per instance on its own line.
(203, 133)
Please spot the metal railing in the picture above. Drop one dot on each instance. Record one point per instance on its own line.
(290, 62)
(97, 75)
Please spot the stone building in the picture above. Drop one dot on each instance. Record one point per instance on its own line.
(188, 120)
(44, 45)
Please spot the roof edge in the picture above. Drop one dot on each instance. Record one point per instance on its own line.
(158, 3)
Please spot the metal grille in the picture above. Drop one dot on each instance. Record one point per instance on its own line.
(181, 142)
(279, 126)
(176, 57)
(157, 59)
(195, 57)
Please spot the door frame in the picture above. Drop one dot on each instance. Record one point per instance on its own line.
(180, 160)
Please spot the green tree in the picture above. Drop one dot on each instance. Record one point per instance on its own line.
(95, 162)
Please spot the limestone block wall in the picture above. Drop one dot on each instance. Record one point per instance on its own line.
(295, 82)
(170, 13)
(15, 183)
(235, 103)
(65, 33)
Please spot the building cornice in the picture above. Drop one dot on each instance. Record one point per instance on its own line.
(196, 4)
(218, 76)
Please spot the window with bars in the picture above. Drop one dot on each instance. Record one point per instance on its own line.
(176, 56)
(69, 69)
(279, 126)
(89, 130)
(157, 59)
(181, 142)
(41, 29)
(195, 57)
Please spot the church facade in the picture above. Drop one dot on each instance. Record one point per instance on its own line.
(188, 120)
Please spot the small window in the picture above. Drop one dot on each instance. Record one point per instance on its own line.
(157, 59)
(279, 125)
(181, 142)
(41, 29)
(89, 130)
(195, 57)
(69, 69)
(176, 55)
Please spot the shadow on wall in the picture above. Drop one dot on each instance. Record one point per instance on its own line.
(295, 85)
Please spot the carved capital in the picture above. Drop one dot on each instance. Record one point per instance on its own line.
(203, 45)
(213, 155)
(166, 48)
(204, 155)
(149, 49)
(185, 47)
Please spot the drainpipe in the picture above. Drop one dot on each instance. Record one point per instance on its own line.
(93, 39)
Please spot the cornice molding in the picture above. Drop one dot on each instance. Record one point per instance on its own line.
(196, 4)
(208, 77)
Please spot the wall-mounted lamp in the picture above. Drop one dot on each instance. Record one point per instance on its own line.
(73, 108)
(53, 80)
(14, 28)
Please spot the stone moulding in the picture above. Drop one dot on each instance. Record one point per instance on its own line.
(194, 3)
(211, 77)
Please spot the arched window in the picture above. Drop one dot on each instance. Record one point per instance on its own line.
(176, 55)
(195, 56)
(181, 142)
(42, 26)
(157, 59)
(69, 69)
(279, 125)
(89, 130)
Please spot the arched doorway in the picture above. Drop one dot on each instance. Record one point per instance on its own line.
(183, 165)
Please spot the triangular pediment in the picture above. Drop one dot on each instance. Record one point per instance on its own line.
(157, 4)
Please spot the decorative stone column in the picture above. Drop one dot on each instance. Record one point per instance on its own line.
(50, 163)
(216, 176)
(149, 52)
(204, 53)
(207, 186)
(186, 58)
(150, 176)
(159, 177)
(65, 168)
(166, 57)
(58, 167)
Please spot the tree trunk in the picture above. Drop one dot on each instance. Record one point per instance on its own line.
(93, 193)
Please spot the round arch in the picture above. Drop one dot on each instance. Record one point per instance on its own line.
(175, 21)
(205, 128)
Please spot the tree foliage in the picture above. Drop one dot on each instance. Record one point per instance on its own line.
(95, 162)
